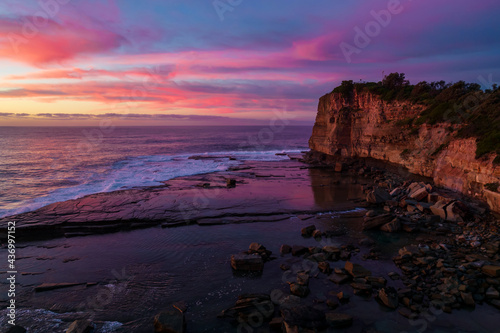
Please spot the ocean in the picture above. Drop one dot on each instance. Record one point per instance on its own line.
(43, 165)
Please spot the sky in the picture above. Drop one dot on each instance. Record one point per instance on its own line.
(226, 62)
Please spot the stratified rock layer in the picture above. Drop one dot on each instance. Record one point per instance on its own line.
(363, 125)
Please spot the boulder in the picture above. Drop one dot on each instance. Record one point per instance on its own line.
(378, 195)
(392, 226)
(419, 194)
(389, 297)
(338, 278)
(169, 321)
(299, 290)
(308, 231)
(298, 250)
(356, 270)
(376, 221)
(492, 293)
(491, 270)
(285, 249)
(247, 262)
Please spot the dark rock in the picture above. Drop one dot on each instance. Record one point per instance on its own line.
(247, 305)
(324, 267)
(468, 299)
(285, 249)
(378, 195)
(298, 250)
(389, 297)
(247, 262)
(339, 278)
(81, 326)
(230, 182)
(276, 324)
(356, 270)
(490, 270)
(377, 221)
(392, 226)
(299, 290)
(308, 231)
(16, 329)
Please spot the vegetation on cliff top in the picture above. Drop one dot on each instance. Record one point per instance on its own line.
(476, 111)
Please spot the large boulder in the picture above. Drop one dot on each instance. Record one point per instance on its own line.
(389, 297)
(450, 211)
(490, 270)
(392, 226)
(169, 321)
(378, 195)
(247, 262)
(376, 221)
(356, 270)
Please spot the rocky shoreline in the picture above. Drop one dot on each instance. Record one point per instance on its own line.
(455, 264)
(451, 263)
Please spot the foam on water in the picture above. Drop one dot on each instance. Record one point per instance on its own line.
(143, 171)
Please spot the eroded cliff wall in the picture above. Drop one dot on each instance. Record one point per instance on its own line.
(363, 125)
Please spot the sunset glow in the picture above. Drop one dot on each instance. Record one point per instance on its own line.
(72, 61)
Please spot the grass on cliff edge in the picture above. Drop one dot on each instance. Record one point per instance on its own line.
(477, 112)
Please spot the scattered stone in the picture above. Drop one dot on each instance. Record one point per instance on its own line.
(324, 267)
(343, 297)
(468, 299)
(389, 297)
(377, 221)
(419, 194)
(339, 278)
(356, 270)
(378, 195)
(299, 290)
(81, 326)
(392, 226)
(490, 270)
(317, 233)
(492, 293)
(308, 231)
(285, 249)
(276, 324)
(247, 262)
(298, 250)
(405, 312)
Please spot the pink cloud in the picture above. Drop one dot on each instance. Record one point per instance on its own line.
(45, 42)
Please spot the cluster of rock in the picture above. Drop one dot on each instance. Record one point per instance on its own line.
(251, 260)
(416, 205)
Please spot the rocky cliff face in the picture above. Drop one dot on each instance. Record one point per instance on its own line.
(363, 125)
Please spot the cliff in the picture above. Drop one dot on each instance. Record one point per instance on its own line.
(361, 124)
